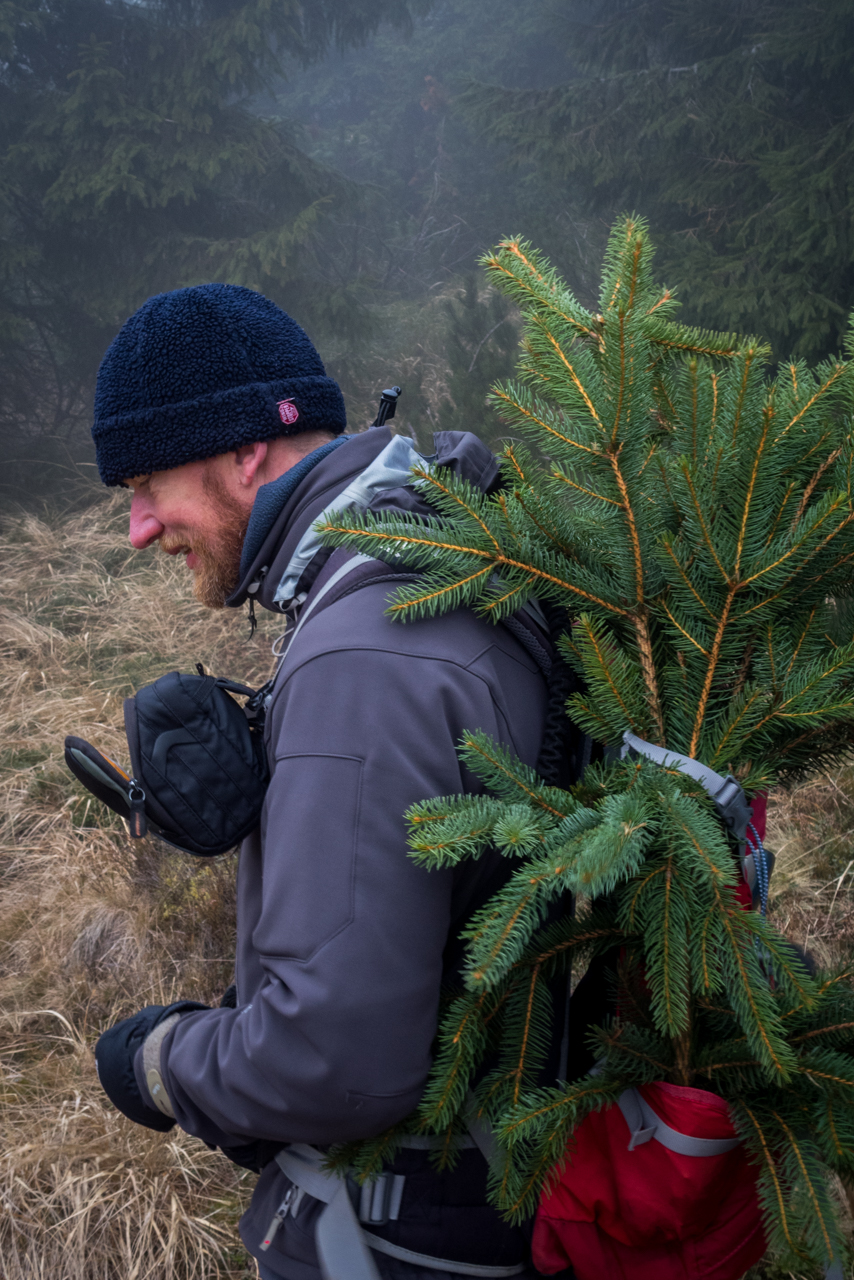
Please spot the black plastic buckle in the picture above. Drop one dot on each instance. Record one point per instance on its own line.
(733, 808)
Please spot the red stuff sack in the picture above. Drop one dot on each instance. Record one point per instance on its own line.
(657, 1187)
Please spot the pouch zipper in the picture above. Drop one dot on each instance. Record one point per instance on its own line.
(137, 820)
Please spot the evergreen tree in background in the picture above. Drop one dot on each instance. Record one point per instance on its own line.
(385, 116)
(731, 127)
(131, 161)
(432, 198)
(332, 155)
(481, 342)
(694, 523)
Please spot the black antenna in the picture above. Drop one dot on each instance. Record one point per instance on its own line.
(388, 404)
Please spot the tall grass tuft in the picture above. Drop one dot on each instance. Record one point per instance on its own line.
(94, 926)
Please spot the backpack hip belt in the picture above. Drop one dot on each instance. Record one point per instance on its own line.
(343, 1246)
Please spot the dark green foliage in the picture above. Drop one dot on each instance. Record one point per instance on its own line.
(694, 519)
(385, 116)
(430, 198)
(709, 513)
(729, 126)
(481, 347)
(131, 161)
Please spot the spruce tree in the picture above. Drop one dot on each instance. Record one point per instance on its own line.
(693, 519)
(135, 158)
(480, 345)
(729, 126)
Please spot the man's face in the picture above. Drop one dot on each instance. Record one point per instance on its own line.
(190, 511)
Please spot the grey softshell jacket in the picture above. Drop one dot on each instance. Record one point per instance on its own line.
(343, 942)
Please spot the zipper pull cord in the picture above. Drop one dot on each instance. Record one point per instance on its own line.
(137, 820)
(252, 591)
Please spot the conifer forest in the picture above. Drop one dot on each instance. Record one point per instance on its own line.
(615, 239)
(353, 158)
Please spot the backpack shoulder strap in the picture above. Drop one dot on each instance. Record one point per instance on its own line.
(528, 625)
(343, 571)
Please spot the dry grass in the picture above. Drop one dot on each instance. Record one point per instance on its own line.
(811, 830)
(94, 926)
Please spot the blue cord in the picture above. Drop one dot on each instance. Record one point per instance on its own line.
(760, 862)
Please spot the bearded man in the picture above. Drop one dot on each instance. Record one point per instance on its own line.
(213, 406)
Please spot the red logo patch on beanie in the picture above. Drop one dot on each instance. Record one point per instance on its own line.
(288, 411)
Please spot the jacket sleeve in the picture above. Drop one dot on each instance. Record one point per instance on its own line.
(344, 961)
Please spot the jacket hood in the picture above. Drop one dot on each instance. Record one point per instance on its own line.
(372, 472)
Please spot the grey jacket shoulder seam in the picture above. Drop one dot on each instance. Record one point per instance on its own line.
(379, 648)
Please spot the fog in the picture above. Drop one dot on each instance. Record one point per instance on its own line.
(353, 159)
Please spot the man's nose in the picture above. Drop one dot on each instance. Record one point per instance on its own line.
(145, 528)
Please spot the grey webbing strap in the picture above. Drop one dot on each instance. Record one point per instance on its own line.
(730, 800)
(380, 1200)
(430, 1142)
(440, 1264)
(481, 1133)
(534, 607)
(353, 563)
(341, 1247)
(644, 1125)
(517, 628)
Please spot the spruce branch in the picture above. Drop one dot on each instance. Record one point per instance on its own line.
(692, 518)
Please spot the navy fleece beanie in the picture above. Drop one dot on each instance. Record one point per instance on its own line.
(202, 371)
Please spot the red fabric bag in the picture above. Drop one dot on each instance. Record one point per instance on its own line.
(627, 1206)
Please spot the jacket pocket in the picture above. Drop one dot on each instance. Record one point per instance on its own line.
(309, 834)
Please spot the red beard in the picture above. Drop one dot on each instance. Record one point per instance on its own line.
(217, 550)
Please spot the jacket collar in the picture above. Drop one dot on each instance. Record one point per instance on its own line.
(348, 477)
(373, 470)
(271, 497)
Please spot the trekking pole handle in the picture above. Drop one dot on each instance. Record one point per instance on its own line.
(388, 404)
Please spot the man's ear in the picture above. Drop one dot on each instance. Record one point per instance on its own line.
(249, 459)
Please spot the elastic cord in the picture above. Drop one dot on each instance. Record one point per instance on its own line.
(760, 862)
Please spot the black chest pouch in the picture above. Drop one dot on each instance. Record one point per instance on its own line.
(198, 765)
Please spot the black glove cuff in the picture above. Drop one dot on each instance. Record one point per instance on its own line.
(114, 1058)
